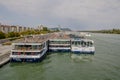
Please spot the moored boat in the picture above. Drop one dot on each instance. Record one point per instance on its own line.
(28, 51)
(59, 45)
(83, 46)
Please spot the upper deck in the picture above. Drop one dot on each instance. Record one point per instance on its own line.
(30, 43)
(33, 39)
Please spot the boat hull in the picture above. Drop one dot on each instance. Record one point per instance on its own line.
(59, 50)
(83, 52)
(27, 59)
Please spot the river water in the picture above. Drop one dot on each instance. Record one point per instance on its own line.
(103, 65)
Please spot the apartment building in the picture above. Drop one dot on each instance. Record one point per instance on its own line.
(13, 28)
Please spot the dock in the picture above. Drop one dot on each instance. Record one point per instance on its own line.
(4, 54)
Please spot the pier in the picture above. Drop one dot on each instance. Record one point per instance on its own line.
(4, 54)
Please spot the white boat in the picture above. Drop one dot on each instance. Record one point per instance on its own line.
(59, 45)
(28, 51)
(85, 46)
(87, 34)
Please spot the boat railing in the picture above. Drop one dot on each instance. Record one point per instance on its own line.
(27, 48)
(60, 44)
(26, 53)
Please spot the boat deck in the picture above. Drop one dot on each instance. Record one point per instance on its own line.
(33, 39)
(60, 36)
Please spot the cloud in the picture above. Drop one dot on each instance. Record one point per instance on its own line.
(88, 13)
(90, 10)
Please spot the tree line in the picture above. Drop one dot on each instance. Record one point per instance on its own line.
(111, 31)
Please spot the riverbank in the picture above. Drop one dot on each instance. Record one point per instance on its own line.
(111, 31)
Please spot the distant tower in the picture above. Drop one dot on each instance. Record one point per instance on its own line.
(40, 27)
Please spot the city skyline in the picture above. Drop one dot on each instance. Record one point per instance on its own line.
(74, 14)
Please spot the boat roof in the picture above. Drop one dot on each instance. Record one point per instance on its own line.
(33, 39)
(59, 36)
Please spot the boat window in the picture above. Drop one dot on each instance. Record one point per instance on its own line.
(67, 42)
(78, 42)
(75, 43)
(18, 47)
(52, 42)
(34, 47)
(18, 53)
(87, 43)
(91, 44)
(28, 53)
(40, 46)
(83, 44)
(14, 53)
(72, 43)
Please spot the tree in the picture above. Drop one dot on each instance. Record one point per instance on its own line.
(2, 35)
(45, 29)
(12, 34)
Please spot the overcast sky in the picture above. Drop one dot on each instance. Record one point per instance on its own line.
(74, 14)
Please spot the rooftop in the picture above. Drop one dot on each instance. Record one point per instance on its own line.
(59, 36)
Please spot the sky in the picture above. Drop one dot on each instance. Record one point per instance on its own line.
(74, 14)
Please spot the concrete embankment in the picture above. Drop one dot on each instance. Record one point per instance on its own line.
(4, 54)
(4, 58)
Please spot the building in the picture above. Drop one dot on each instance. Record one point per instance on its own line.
(5, 28)
(13, 28)
(40, 27)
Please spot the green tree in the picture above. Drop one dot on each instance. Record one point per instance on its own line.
(12, 34)
(45, 29)
(2, 35)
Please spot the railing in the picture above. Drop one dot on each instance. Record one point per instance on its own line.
(27, 48)
(60, 44)
(59, 48)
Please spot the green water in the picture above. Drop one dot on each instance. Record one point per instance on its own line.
(104, 65)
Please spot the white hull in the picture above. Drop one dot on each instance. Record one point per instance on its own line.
(83, 49)
(59, 49)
